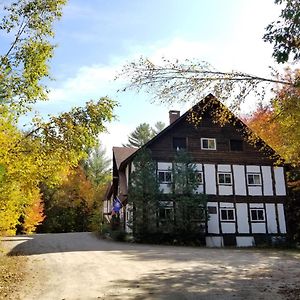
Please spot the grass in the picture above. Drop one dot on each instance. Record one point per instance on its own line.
(11, 275)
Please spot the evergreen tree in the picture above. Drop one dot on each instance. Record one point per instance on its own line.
(143, 196)
(189, 207)
(143, 133)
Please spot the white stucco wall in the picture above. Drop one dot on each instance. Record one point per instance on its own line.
(239, 180)
(225, 190)
(245, 241)
(166, 188)
(255, 190)
(213, 222)
(279, 181)
(281, 218)
(214, 241)
(228, 227)
(267, 180)
(242, 218)
(210, 179)
(258, 227)
(271, 218)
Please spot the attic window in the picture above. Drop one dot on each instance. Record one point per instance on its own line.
(179, 144)
(236, 145)
(208, 144)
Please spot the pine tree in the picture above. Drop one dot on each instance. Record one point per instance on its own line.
(143, 196)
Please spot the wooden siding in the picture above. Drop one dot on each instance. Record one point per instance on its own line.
(162, 148)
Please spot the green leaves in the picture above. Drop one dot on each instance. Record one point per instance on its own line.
(284, 33)
(25, 63)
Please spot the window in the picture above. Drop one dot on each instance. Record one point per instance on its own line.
(224, 178)
(257, 214)
(164, 176)
(236, 145)
(212, 210)
(179, 143)
(208, 144)
(199, 177)
(254, 179)
(227, 214)
(165, 213)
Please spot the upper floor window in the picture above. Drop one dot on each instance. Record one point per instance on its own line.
(236, 145)
(164, 176)
(227, 214)
(208, 144)
(224, 178)
(254, 179)
(257, 214)
(179, 143)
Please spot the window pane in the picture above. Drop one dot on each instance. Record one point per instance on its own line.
(223, 214)
(212, 210)
(256, 179)
(211, 144)
(161, 176)
(227, 178)
(230, 214)
(250, 179)
(253, 215)
(205, 144)
(221, 178)
(168, 176)
(260, 214)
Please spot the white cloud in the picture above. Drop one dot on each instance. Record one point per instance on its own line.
(241, 49)
(116, 136)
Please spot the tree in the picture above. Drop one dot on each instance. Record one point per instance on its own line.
(192, 80)
(158, 127)
(279, 122)
(29, 24)
(43, 154)
(284, 33)
(69, 206)
(143, 133)
(143, 195)
(190, 207)
(97, 165)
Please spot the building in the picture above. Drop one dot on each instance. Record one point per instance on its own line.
(244, 181)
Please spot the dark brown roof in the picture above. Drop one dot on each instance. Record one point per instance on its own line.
(121, 153)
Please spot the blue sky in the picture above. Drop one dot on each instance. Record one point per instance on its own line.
(96, 37)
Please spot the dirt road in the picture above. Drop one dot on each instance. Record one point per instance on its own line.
(81, 266)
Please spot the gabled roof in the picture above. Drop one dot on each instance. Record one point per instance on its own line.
(200, 108)
(121, 153)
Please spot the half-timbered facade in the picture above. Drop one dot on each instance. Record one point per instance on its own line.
(244, 181)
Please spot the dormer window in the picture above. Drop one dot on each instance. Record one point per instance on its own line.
(208, 144)
(179, 143)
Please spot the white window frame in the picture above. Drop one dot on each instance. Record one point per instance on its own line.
(224, 173)
(261, 209)
(164, 181)
(254, 184)
(208, 139)
(227, 209)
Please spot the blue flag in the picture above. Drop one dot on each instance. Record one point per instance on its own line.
(117, 205)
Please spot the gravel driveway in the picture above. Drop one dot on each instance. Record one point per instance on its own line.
(81, 266)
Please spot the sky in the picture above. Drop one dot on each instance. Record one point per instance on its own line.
(95, 38)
